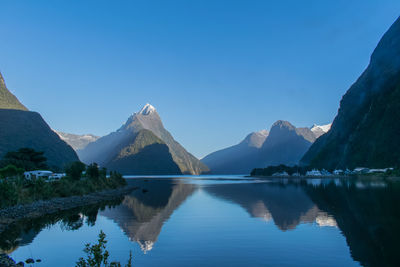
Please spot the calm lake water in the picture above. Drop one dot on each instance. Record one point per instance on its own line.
(227, 221)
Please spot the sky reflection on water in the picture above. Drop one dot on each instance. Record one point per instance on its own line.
(208, 221)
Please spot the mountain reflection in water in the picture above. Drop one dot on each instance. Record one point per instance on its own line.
(143, 213)
(287, 205)
(365, 211)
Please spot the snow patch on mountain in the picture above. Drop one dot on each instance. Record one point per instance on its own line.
(77, 141)
(319, 130)
(263, 132)
(147, 109)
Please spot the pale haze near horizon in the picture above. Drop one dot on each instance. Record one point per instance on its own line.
(214, 70)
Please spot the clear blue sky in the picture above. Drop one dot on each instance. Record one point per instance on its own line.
(215, 70)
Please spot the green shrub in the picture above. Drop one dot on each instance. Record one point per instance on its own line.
(97, 255)
(11, 171)
(74, 170)
(8, 193)
(92, 171)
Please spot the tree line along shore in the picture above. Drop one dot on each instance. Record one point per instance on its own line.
(18, 188)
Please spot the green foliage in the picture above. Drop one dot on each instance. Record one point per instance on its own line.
(10, 171)
(8, 193)
(25, 158)
(92, 171)
(20, 191)
(97, 255)
(75, 169)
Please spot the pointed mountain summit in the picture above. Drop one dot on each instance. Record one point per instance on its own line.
(285, 144)
(366, 129)
(105, 151)
(7, 99)
(147, 109)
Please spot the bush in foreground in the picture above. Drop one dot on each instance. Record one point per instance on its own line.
(97, 255)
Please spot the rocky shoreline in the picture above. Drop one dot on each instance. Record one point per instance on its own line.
(11, 215)
(7, 261)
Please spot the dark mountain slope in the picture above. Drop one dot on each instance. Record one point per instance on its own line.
(146, 154)
(20, 129)
(366, 131)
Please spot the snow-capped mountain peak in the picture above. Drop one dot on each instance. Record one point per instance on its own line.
(319, 130)
(147, 109)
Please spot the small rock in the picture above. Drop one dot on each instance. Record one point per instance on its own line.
(29, 261)
(38, 260)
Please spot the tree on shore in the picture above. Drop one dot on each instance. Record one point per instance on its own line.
(92, 171)
(75, 169)
(25, 158)
(10, 171)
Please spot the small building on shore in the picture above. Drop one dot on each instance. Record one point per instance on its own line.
(36, 174)
(49, 175)
(314, 172)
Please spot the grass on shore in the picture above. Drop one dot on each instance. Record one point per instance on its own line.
(18, 190)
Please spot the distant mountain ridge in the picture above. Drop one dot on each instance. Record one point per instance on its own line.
(104, 150)
(366, 129)
(7, 99)
(283, 144)
(77, 141)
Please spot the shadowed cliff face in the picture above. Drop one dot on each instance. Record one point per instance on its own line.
(21, 129)
(366, 131)
(287, 205)
(143, 213)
